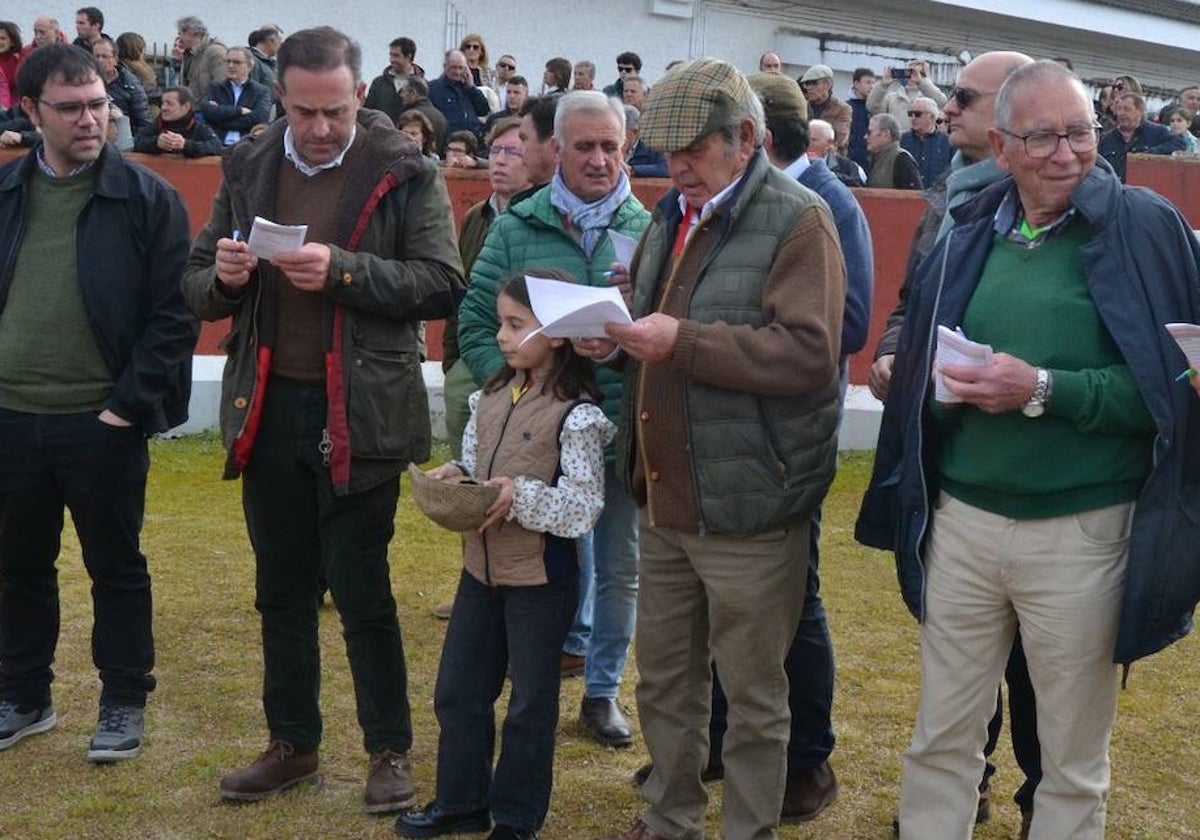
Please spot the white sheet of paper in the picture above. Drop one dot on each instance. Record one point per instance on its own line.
(624, 246)
(269, 238)
(569, 310)
(954, 348)
(1187, 336)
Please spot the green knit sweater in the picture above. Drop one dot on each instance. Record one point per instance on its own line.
(49, 361)
(1092, 447)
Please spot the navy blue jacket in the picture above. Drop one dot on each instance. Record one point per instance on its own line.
(127, 93)
(1150, 138)
(462, 106)
(1143, 271)
(933, 153)
(225, 117)
(132, 242)
(647, 163)
(855, 236)
(859, 118)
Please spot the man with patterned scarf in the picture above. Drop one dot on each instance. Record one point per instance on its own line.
(566, 225)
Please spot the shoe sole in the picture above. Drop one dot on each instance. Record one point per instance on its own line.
(258, 796)
(786, 819)
(472, 826)
(33, 729)
(390, 807)
(110, 756)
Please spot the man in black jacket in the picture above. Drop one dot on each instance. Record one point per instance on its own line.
(177, 130)
(236, 104)
(91, 363)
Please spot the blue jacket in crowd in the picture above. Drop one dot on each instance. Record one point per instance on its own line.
(932, 153)
(1149, 138)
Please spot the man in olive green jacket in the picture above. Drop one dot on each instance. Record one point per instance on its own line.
(323, 401)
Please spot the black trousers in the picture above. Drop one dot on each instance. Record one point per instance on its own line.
(49, 462)
(301, 531)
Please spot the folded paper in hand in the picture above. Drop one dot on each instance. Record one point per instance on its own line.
(1187, 336)
(569, 310)
(954, 348)
(624, 247)
(269, 238)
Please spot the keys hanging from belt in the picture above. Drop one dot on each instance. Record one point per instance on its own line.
(325, 447)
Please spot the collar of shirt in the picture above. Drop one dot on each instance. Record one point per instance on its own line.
(796, 168)
(49, 170)
(1009, 222)
(712, 204)
(289, 152)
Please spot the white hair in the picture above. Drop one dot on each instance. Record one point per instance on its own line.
(587, 102)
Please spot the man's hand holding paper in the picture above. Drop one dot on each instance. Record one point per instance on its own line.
(307, 268)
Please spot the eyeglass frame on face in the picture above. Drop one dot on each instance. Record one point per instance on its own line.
(966, 97)
(506, 65)
(626, 68)
(472, 46)
(1092, 131)
(912, 114)
(73, 111)
(517, 151)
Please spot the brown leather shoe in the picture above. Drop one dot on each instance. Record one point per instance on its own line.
(640, 831)
(809, 791)
(571, 665)
(277, 769)
(443, 611)
(389, 783)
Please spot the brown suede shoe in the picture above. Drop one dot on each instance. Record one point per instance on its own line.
(640, 831)
(277, 769)
(389, 783)
(571, 665)
(809, 791)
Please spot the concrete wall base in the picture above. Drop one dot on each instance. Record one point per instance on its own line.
(860, 425)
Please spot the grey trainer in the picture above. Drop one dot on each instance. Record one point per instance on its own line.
(18, 721)
(118, 733)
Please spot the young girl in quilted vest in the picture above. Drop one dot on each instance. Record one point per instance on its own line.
(537, 433)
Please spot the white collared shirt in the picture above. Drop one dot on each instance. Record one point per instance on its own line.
(289, 152)
(796, 168)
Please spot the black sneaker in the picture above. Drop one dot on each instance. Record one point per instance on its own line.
(18, 721)
(118, 733)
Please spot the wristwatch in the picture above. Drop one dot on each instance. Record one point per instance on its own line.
(1040, 397)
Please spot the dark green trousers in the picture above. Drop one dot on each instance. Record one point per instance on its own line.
(299, 531)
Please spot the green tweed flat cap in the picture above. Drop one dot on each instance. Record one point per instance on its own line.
(781, 96)
(691, 102)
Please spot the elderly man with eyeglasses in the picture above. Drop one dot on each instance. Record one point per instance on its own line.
(1047, 486)
(930, 148)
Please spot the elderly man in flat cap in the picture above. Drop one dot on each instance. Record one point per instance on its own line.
(727, 443)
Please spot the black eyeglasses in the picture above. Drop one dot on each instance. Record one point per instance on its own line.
(942, 121)
(473, 47)
(966, 97)
(626, 68)
(912, 114)
(506, 65)
(1043, 144)
(72, 111)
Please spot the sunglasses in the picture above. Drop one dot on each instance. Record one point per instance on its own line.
(966, 97)
(942, 121)
(473, 47)
(506, 65)
(912, 114)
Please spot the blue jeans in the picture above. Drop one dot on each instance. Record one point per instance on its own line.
(609, 601)
(493, 629)
(580, 633)
(810, 671)
(49, 462)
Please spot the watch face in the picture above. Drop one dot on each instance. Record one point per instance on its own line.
(1033, 409)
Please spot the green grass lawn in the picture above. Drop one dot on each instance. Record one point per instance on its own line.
(205, 718)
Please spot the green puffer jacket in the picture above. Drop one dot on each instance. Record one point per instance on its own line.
(531, 235)
(393, 264)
